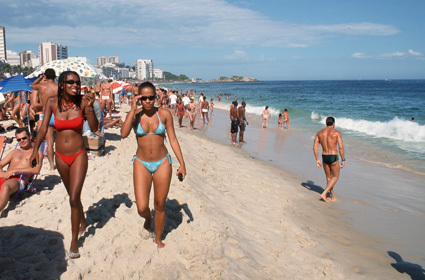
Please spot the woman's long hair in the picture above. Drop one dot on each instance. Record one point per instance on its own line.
(61, 89)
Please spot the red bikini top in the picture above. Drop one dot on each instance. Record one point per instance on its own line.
(74, 124)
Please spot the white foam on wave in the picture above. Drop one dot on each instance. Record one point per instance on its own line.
(396, 129)
(256, 110)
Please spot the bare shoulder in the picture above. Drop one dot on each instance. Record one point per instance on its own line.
(164, 113)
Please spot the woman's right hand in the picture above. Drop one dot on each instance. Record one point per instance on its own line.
(34, 157)
(134, 102)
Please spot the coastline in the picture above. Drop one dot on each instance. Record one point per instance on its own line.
(233, 217)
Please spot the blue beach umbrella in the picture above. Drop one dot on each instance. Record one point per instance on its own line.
(16, 83)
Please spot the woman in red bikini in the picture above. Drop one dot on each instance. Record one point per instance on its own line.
(70, 109)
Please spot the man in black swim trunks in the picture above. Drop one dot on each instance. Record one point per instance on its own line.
(234, 118)
(331, 140)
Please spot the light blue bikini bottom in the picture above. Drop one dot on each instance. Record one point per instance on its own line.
(152, 166)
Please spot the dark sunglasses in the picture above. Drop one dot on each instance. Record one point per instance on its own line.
(71, 82)
(150, 97)
(20, 139)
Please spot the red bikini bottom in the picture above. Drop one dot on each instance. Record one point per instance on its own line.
(70, 159)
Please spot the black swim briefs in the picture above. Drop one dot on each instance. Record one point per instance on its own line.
(329, 159)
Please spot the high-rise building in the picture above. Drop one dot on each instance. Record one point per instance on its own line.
(3, 54)
(25, 58)
(49, 51)
(144, 69)
(13, 58)
(158, 74)
(102, 60)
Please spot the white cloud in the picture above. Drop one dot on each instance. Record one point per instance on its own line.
(412, 52)
(359, 55)
(236, 55)
(394, 54)
(192, 23)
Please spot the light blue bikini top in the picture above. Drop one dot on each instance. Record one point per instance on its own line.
(159, 130)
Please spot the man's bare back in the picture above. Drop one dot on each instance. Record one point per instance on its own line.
(331, 141)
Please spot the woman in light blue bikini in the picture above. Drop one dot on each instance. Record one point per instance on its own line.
(152, 162)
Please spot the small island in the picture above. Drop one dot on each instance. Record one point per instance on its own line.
(234, 79)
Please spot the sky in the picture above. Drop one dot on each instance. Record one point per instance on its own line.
(207, 39)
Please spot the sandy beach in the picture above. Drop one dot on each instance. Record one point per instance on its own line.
(233, 217)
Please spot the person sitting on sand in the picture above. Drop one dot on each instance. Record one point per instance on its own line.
(266, 115)
(17, 160)
(70, 109)
(329, 138)
(152, 162)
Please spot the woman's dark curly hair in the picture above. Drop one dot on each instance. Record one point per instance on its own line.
(61, 89)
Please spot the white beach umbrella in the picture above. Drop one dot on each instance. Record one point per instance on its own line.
(88, 74)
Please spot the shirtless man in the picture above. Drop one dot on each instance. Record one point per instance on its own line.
(17, 160)
(243, 121)
(205, 106)
(329, 138)
(44, 87)
(191, 110)
(106, 98)
(234, 118)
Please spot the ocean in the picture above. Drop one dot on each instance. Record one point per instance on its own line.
(381, 189)
(374, 115)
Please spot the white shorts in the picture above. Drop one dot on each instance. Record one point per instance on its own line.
(204, 110)
(105, 97)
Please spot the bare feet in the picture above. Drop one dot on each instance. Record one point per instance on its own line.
(159, 242)
(324, 198)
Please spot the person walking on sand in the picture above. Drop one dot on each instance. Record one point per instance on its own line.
(243, 121)
(70, 109)
(191, 111)
(266, 115)
(205, 106)
(331, 140)
(234, 119)
(43, 88)
(152, 162)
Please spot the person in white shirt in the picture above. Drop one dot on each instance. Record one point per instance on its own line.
(173, 102)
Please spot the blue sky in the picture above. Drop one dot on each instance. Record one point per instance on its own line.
(267, 40)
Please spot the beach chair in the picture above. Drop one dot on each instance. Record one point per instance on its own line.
(31, 182)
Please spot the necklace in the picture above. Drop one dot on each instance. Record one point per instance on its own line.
(67, 106)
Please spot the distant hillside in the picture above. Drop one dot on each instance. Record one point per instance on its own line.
(171, 77)
(235, 79)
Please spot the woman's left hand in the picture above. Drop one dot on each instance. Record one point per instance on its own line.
(181, 170)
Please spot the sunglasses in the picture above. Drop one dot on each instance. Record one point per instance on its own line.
(150, 97)
(71, 82)
(20, 139)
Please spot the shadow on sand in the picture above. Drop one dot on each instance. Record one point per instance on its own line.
(47, 183)
(102, 211)
(173, 216)
(31, 253)
(415, 271)
(309, 185)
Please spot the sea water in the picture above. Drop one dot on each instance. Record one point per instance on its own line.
(374, 116)
(381, 189)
